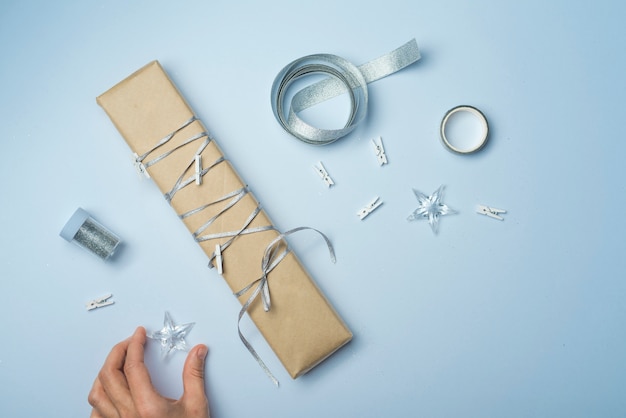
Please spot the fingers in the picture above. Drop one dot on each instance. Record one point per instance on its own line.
(102, 405)
(194, 395)
(113, 380)
(136, 372)
(123, 386)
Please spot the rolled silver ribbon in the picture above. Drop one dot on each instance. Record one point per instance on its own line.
(343, 77)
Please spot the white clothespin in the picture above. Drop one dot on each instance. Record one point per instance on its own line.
(100, 302)
(139, 166)
(491, 212)
(369, 208)
(218, 259)
(319, 169)
(198, 169)
(380, 151)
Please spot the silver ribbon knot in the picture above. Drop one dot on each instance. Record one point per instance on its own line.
(275, 252)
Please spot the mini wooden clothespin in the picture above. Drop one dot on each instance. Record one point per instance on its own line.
(218, 259)
(321, 171)
(491, 212)
(100, 302)
(139, 166)
(369, 208)
(379, 149)
(198, 167)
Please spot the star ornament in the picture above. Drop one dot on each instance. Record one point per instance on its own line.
(431, 208)
(171, 336)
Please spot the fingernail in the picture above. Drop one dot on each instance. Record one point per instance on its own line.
(202, 352)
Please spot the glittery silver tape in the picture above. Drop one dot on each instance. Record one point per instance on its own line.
(342, 77)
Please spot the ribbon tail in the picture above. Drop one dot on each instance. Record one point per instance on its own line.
(245, 342)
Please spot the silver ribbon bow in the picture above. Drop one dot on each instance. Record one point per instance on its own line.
(275, 252)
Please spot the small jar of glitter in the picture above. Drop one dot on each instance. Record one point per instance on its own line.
(89, 234)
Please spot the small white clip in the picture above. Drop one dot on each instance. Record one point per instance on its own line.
(218, 259)
(380, 151)
(100, 302)
(369, 208)
(491, 212)
(319, 169)
(198, 169)
(139, 166)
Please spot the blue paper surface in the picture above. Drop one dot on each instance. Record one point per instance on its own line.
(520, 317)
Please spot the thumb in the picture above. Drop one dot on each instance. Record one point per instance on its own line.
(194, 394)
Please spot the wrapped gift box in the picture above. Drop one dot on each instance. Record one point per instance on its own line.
(302, 328)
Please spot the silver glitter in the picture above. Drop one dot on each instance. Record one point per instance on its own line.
(87, 233)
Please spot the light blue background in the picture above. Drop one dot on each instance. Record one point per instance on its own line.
(524, 317)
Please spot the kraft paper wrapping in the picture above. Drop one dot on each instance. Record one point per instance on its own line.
(302, 328)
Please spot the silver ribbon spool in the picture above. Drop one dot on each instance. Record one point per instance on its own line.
(343, 77)
(452, 145)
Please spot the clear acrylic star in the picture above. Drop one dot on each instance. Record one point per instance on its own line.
(431, 208)
(171, 337)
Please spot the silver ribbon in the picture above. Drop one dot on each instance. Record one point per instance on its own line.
(275, 252)
(233, 197)
(139, 159)
(344, 77)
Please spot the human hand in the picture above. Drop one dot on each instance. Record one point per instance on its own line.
(123, 388)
